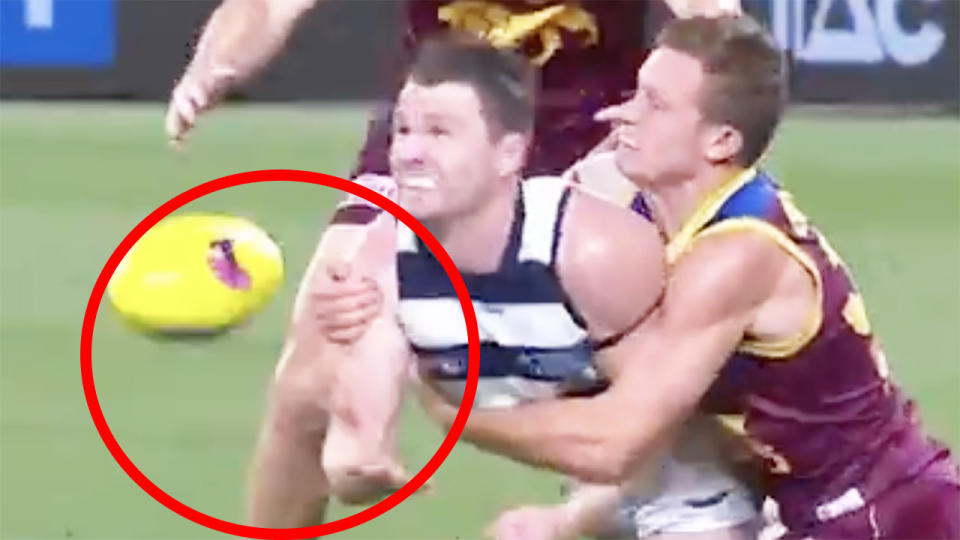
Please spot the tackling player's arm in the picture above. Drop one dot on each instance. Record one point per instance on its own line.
(331, 418)
(659, 372)
(240, 37)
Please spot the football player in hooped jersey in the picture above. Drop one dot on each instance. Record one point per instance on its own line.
(556, 275)
(760, 318)
(585, 50)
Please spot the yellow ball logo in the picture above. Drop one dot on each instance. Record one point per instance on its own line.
(196, 274)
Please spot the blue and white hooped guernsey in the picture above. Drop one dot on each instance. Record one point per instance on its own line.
(532, 339)
(535, 346)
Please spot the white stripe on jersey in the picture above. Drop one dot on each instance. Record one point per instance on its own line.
(406, 239)
(541, 201)
(435, 323)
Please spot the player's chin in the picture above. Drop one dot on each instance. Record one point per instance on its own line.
(630, 164)
(423, 206)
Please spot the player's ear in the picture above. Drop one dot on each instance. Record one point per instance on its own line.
(511, 153)
(722, 143)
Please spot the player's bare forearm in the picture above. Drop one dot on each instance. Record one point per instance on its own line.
(605, 438)
(659, 372)
(240, 37)
(562, 435)
(243, 35)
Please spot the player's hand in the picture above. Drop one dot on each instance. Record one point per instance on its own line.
(704, 8)
(344, 305)
(533, 523)
(370, 483)
(198, 91)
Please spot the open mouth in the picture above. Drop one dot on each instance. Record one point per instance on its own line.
(223, 263)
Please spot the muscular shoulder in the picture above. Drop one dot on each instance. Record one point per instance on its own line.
(611, 263)
(726, 272)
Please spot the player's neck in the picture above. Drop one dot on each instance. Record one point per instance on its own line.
(674, 203)
(476, 240)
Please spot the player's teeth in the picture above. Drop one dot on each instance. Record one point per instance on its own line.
(422, 182)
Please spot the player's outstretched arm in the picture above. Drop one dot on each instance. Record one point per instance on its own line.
(660, 371)
(369, 372)
(240, 37)
(332, 409)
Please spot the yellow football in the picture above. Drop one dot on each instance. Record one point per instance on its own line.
(196, 274)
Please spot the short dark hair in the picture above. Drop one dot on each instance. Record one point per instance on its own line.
(746, 81)
(504, 80)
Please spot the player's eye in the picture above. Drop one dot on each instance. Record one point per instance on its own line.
(650, 100)
(401, 129)
(655, 101)
(438, 131)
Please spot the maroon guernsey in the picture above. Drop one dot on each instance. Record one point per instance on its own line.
(833, 431)
(588, 53)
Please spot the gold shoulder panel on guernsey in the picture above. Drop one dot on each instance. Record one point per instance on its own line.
(681, 241)
(505, 28)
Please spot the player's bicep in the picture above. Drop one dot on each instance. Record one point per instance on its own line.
(711, 298)
(610, 264)
(720, 283)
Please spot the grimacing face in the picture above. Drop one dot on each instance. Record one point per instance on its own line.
(661, 135)
(442, 153)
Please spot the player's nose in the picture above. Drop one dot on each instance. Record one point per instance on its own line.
(614, 114)
(409, 149)
(410, 155)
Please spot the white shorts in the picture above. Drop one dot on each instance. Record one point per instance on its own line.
(697, 498)
(689, 490)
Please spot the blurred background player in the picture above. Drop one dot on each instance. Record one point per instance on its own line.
(760, 317)
(586, 51)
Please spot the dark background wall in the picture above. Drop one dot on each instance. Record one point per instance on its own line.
(842, 51)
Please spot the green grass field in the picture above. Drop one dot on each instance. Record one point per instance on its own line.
(77, 177)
